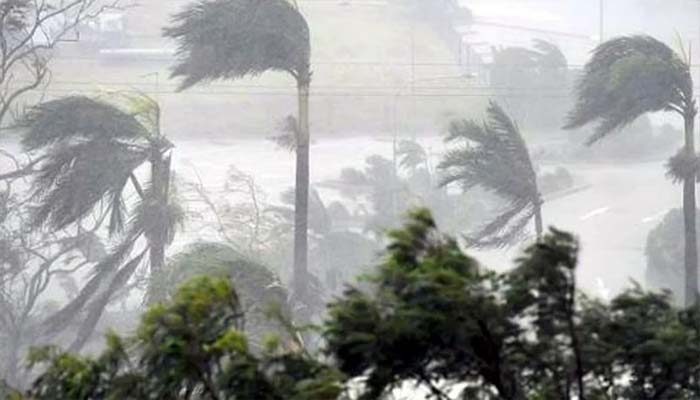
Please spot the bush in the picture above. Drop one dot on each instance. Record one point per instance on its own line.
(259, 289)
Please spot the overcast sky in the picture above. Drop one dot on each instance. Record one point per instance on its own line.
(574, 24)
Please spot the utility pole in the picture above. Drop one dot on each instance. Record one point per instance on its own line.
(601, 20)
(412, 121)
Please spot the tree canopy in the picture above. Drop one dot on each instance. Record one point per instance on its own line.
(90, 149)
(191, 347)
(639, 68)
(230, 39)
(429, 315)
(523, 334)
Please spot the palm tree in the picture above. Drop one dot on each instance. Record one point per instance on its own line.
(335, 250)
(92, 150)
(626, 78)
(495, 157)
(231, 39)
(539, 69)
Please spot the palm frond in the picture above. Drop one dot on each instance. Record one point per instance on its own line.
(549, 54)
(625, 78)
(88, 164)
(411, 154)
(319, 219)
(142, 107)
(60, 320)
(97, 306)
(74, 178)
(493, 156)
(683, 166)
(74, 117)
(92, 147)
(117, 209)
(156, 218)
(466, 130)
(505, 229)
(287, 140)
(230, 39)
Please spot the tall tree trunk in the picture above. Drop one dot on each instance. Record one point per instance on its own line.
(157, 239)
(689, 211)
(573, 334)
(539, 230)
(301, 204)
(11, 362)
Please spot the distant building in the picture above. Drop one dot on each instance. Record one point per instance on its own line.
(107, 30)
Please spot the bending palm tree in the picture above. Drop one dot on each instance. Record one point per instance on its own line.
(495, 157)
(231, 39)
(92, 150)
(626, 78)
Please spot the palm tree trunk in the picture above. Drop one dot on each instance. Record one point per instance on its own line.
(689, 211)
(301, 203)
(538, 220)
(160, 178)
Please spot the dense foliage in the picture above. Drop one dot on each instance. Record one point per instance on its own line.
(259, 290)
(429, 316)
(525, 334)
(189, 348)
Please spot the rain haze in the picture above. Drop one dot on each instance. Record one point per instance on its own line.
(349, 199)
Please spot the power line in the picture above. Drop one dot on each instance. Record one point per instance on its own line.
(215, 86)
(485, 66)
(531, 93)
(328, 90)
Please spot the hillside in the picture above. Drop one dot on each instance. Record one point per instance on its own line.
(363, 63)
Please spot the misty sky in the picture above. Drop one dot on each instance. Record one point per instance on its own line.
(574, 24)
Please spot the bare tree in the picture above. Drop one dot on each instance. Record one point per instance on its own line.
(30, 261)
(239, 210)
(29, 32)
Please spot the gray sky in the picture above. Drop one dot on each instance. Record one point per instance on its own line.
(574, 24)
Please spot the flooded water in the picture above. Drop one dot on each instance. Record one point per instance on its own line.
(612, 216)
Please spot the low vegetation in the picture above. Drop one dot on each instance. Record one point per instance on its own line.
(524, 334)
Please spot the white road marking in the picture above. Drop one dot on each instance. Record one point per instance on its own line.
(596, 212)
(654, 217)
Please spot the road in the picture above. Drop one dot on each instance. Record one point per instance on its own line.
(611, 219)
